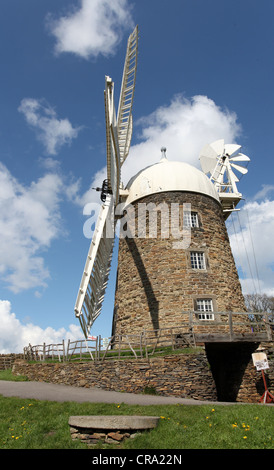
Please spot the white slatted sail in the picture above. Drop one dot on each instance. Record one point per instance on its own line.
(118, 136)
(124, 120)
(96, 272)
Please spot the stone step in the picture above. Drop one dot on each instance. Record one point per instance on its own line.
(114, 422)
(109, 429)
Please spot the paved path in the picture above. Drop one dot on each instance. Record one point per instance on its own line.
(61, 393)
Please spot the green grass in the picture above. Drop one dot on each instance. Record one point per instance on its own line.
(34, 424)
(8, 375)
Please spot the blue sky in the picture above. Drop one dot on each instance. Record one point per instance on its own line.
(205, 71)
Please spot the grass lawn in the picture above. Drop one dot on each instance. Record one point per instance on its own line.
(34, 424)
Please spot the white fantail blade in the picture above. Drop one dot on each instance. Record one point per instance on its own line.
(240, 157)
(218, 159)
(124, 116)
(208, 158)
(233, 177)
(208, 152)
(208, 164)
(218, 146)
(230, 149)
(239, 168)
(95, 276)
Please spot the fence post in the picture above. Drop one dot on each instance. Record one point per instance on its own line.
(267, 327)
(67, 356)
(30, 351)
(98, 347)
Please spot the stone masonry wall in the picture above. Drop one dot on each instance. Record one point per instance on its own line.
(156, 283)
(7, 360)
(178, 375)
(182, 375)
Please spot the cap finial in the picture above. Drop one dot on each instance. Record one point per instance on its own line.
(163, 150)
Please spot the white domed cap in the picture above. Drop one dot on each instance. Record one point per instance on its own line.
(169, 176)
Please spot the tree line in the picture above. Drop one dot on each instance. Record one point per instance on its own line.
(260, 303)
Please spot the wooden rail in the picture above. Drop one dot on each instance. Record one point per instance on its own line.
(226, 327)
(232, 327)
(41, 352)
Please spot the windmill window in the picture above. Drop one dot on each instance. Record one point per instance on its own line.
(205, 309)
(197, 259)
(191, 219)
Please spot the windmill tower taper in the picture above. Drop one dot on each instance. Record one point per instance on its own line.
(118, 137)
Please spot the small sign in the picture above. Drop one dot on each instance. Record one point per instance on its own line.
(105, 342)
(260, 361)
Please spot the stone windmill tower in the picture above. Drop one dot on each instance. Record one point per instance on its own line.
(174, 252)
(179, 259)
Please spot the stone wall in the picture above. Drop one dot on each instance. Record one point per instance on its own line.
(155, 281)
(179, 375)
(7, 360)
(182, 375)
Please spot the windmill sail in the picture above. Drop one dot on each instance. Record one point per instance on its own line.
(118, 136)
(96, 272)
(124, 120)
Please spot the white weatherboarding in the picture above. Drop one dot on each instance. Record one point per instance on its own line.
(118, 137)
(219, 161)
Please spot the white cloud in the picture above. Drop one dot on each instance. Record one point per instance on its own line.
(183, 127)
(14, 335)
(251, 237)
(51, 131)
(96, 27)
(29, 220)
(265, 191)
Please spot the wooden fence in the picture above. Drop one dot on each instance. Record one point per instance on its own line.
(114, 347)
(42, 352)
(226, 327)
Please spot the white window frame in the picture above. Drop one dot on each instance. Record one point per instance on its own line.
(191, 219)
(205, 309)
(197, 260)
